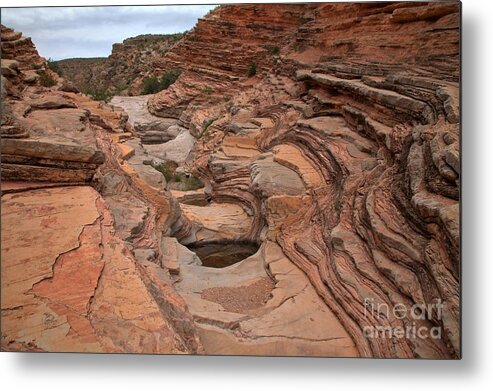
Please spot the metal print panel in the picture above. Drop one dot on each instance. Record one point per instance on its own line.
(244, 179)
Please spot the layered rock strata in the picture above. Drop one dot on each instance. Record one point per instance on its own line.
(342, 156)
(128, 61)
(339, 160)
(75, 272)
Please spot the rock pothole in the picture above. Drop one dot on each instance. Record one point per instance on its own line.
(223, 254)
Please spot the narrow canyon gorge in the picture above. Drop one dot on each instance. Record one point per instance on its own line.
(297, 175)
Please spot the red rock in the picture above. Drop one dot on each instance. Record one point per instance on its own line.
(73, 286)
(381, 218)
(115, 74)
(344, 168)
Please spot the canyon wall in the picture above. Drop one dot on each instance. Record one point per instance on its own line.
(326, 135)
(69, 275)
(85, 73)
(361, 103)
(129, 60)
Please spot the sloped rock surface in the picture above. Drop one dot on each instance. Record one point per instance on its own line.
(73, 278)
(340, 158)
(373, 146)
(283, 317)
(73, 286)
(151, 129)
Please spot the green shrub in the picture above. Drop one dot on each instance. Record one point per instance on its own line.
(152, 85)
(121, 87)
(46, 80)
(207, 90)
(98, 94)
(205, 126)
(53, 65)
(252, 69)
(274, 50)
(296, 48)
(188, 182)
(169, 78)
(168, 169)
(192, 183)
(208, 123)
(101, 95)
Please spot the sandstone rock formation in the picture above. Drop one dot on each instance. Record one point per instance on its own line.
(70, 278)
(129, 60)
(373, 212)
(74, 286)
(46, 137)
(331, 192)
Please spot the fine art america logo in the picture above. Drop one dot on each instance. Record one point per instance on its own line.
(417, 315)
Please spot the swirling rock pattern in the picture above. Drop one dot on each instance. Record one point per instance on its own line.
(346, 155)
(339, 159)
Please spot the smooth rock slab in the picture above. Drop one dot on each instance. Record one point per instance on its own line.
(148, 173)
(51, 101)
(68, 284)
(49, 149)
(292, 157)
(140, 117)
(129, 214)
(176, 150)
(218, 221)
(271, 178)
(65, 120)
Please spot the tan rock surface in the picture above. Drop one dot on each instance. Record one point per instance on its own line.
(293, 158)
(217, 221)
(70, 281)
(374, 144)
(284, 320)
(72, 286)
(345, 169)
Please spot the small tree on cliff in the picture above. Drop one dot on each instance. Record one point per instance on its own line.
(53, 65)
(252, 69)
(169, 78)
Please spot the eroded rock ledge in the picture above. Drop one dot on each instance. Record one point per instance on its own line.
(348, 162)
(339, 159)
(71, 278)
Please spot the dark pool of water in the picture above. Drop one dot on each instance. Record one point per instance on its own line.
(223, 254)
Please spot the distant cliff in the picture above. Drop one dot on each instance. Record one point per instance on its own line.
(103, 77)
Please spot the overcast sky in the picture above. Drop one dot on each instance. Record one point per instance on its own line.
(66, 32)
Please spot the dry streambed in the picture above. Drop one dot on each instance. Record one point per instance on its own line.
(245, 296)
